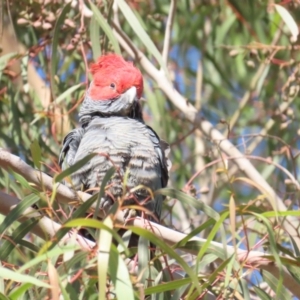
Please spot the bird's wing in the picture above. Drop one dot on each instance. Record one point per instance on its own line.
(70, 146)
(162, 149)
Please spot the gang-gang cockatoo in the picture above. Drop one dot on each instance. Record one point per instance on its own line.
(112, 126)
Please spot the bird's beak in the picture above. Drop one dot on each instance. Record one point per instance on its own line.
(131, 95)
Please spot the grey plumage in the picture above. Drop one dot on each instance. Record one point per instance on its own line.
(125, 143)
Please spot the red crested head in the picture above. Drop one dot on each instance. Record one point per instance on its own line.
(113, 76)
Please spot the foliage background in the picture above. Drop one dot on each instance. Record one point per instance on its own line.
(236, 63)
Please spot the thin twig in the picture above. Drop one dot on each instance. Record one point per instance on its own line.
(168, 32)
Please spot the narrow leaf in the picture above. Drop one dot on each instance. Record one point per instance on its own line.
(67, 93)
(17, 211)
(54, 280)
(95, 37)
(55, 252)
(105, 27)
(288, 20)
(104, 182)
(120, 276)
(18, 234)
(17, 277)
(19, 291)
(141, 33)
(74, 168)
(104, 243)
(169, 286)
(36, 153)
(166, 248)
(54, 47)
(232, 217)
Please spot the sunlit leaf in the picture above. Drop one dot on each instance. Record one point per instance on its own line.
(104, 244)
(17, 211)
(141, 33)
(95, 37)
(17, 277)
(105, 27)
(288, 20)
(69, 171)
(54, 47)
(36, 153)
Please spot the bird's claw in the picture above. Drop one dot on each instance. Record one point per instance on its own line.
(129, 214)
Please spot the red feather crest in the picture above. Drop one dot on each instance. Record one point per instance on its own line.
(111, 70)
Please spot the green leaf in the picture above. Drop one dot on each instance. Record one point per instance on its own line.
(295, 272)
(26, 244)
(188, 200)
(273, 247)
(195, 232)
(3, 297)
(104, 244)
(168, 286)
(80, 222)
(54, 47)
(69, 171)
(144, 257)
(164, 247)
(9, 245)
(76, 262)
(19, 291)
(244, 289)
(64, 293)
(55, 252)
(120, 276)
(24, 183)
(67, 93)
(141, 33)
(17, 277)
(36, 153)
(4, 59)
(105, 27)
(17, 211)
(79, 212)
(216, 273)
(261, 293)
(211, 235)
(281, 293)
(95, 37)
(2, 283)
(275, 214)
(108, 175)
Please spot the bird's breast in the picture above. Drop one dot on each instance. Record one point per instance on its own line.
(125, 144)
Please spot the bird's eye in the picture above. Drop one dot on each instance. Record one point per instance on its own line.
(113, 85)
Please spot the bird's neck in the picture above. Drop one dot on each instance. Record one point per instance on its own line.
(88, 112)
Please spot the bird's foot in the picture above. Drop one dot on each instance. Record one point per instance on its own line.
(128, 214)
(105, 204)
